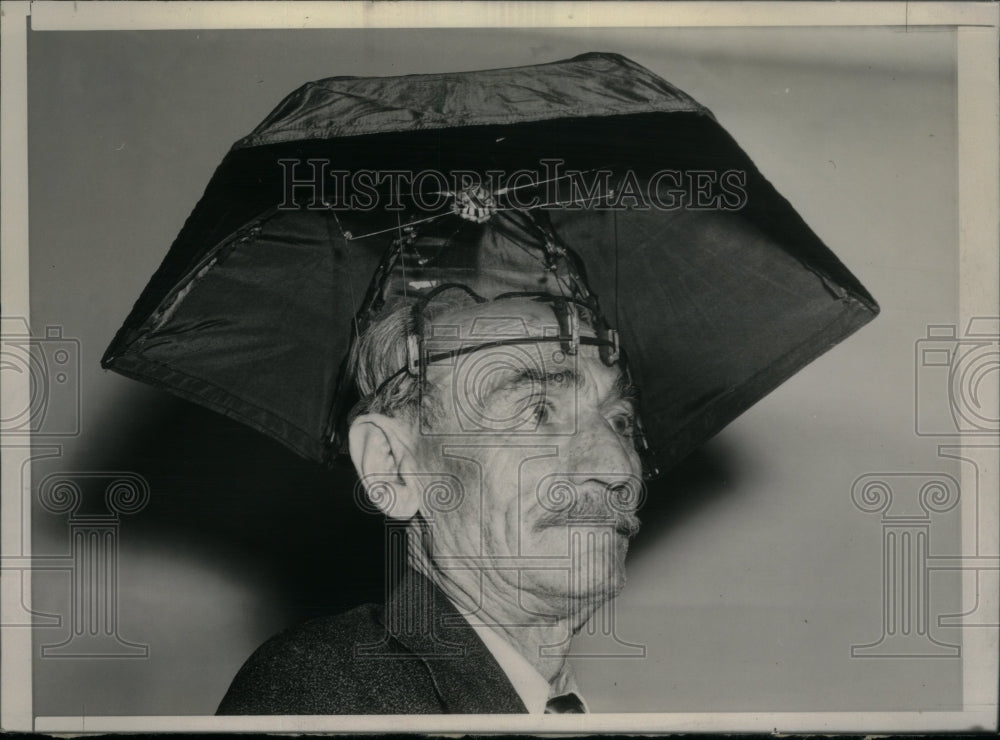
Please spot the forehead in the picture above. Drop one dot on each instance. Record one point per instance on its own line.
(505, 317)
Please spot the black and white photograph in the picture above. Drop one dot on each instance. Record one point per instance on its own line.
(448, 367)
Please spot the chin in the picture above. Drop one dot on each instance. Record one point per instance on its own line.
(585, 603)
(575, 592)
(610, 575)
(597, 579)
(593, 572)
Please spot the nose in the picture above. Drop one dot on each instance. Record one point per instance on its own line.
(601, 452)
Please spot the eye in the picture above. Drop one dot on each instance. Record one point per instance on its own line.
(541, 411)
(624, 424)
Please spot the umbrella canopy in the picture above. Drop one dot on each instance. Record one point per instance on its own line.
(717, 288)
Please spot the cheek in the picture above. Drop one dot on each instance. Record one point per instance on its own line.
(449, 500)
(506, 501)
(485, 519)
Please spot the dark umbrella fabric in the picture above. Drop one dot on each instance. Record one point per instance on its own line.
(717, 298)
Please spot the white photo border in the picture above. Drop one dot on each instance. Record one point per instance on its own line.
(977, 26)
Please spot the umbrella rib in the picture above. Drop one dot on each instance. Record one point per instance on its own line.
(561, 282)
(350, 280)
(614, 218)
(402, 256)
(352, 237)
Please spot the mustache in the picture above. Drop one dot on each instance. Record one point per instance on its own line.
(624, 523)
(628, 525)
(612, 502)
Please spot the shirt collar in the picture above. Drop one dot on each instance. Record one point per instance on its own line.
(529, 684)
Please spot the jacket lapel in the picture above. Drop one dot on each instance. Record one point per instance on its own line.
(467, 677)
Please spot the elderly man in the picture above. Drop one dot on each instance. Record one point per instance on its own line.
(510, 461)
(486, 403)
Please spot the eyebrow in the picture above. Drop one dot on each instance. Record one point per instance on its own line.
(530, 376)
(622, 390)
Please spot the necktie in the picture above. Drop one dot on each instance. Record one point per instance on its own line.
(564, 704)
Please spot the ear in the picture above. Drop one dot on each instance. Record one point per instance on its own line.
(381, 452)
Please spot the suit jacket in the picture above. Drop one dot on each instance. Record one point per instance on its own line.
(415, 655)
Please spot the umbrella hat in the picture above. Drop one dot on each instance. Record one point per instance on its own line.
(591, 173)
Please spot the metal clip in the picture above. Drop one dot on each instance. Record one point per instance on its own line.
(573, 318)
(611, 355)
(413, 355)
(569, 324)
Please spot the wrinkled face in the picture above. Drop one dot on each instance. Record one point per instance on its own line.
(541, 443)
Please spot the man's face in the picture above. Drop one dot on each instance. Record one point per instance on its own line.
(541, 441)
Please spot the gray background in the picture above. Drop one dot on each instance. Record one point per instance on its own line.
(754, 574)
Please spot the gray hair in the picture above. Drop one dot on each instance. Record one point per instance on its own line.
(377, 354)
(380, 352)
